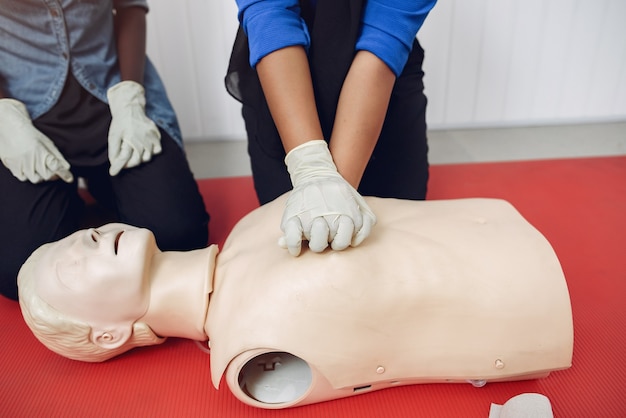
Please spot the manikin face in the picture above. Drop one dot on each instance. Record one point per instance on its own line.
(98, 276)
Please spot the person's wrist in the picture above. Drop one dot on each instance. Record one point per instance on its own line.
(128, 85)
(126, 93)
(14, 121)
(310, 161)
(13, 106)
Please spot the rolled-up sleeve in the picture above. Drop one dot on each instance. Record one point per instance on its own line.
(271, 25)
(389, 28)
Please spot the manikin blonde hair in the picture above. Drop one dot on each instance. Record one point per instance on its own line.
(64, 335)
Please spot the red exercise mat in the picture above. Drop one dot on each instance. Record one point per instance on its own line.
(578, 204)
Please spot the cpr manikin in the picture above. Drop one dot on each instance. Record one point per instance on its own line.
(443, 291)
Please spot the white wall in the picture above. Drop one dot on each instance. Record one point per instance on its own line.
(488, 62)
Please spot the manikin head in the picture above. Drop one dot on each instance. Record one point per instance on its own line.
(66, 280)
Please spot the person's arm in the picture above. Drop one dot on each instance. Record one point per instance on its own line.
(388, 31)
(322, 208)
(130, 35)
(133, 137)
(286, 81)
(360, 115)
(278, 41)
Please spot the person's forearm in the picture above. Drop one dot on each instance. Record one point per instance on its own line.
(130, 33)
(286, 80)
(360, 115)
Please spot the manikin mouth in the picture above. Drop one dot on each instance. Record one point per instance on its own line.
(117, 241)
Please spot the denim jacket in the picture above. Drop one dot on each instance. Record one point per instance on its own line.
(42, 40)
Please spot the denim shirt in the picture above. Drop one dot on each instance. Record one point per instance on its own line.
(42, 40)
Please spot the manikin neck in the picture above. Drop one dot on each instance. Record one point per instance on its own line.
(180, 286)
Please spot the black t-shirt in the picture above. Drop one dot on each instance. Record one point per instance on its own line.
(78, 124)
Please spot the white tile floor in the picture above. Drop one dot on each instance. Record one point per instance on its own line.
(210, 159)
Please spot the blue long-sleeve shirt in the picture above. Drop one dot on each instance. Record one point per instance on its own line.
(388, 27)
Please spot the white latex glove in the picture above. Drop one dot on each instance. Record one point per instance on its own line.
(25, 151)
(322, 208)
(133, 137)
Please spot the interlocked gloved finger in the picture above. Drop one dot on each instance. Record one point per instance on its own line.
(329, 209)
(343, 237)
(319, 235)
(368, 223)
(292, 237)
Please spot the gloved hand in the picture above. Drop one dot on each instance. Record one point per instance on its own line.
(25, 151)
(322, 208)
(133, 137)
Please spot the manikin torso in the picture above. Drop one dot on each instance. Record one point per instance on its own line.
(442, 291)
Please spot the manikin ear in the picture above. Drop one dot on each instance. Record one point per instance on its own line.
(111, 337)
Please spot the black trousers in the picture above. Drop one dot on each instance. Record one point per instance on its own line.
(398, 166)
(160, 195)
